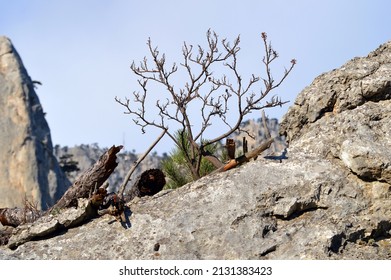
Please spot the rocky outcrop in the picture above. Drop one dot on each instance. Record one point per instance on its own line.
(28, 169)
(345, 115)
(329, 199)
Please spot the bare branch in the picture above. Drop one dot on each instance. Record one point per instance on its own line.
(137, 163)
(218, 96)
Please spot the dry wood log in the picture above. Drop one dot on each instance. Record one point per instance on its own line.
(90, 180)
(149, 183)
(246, 157)
(16, 216)
(231, 147)
(88, 189)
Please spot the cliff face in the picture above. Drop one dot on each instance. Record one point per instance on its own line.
(328, 199)
(28, 168)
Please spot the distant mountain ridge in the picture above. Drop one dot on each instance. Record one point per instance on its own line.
(86, 155)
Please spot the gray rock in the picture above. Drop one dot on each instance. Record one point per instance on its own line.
(28, 168)
(50, 224)
(352, 127)
(358, 82)
(302, 208)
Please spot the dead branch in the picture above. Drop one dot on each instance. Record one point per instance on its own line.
(93, 178)
(86, 185)
(149, 183)
(136, 164)
(246, 157)
(80, 202)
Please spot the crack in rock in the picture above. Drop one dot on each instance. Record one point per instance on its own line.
(367, 236)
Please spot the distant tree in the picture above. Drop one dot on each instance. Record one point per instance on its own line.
(67, 163)
(222, 99)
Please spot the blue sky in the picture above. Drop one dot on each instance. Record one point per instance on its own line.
(81, 50)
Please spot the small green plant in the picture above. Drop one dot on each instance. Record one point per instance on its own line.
(176, 167)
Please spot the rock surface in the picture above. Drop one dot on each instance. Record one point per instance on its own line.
(302, 208)
(345, 115)
(28, 168)
(329, 199)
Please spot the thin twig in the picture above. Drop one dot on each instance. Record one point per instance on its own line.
(264, 122)
(137, 163)
(267, 131)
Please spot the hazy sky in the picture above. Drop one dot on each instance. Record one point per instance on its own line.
(81, 50)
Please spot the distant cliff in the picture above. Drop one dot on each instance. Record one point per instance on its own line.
(28, 169)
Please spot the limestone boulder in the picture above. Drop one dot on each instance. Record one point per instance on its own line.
(345, 115)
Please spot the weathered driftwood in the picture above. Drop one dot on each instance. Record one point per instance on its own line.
(90, 180)
(99, 203)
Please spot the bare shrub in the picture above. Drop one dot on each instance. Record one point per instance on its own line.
(222, 99)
